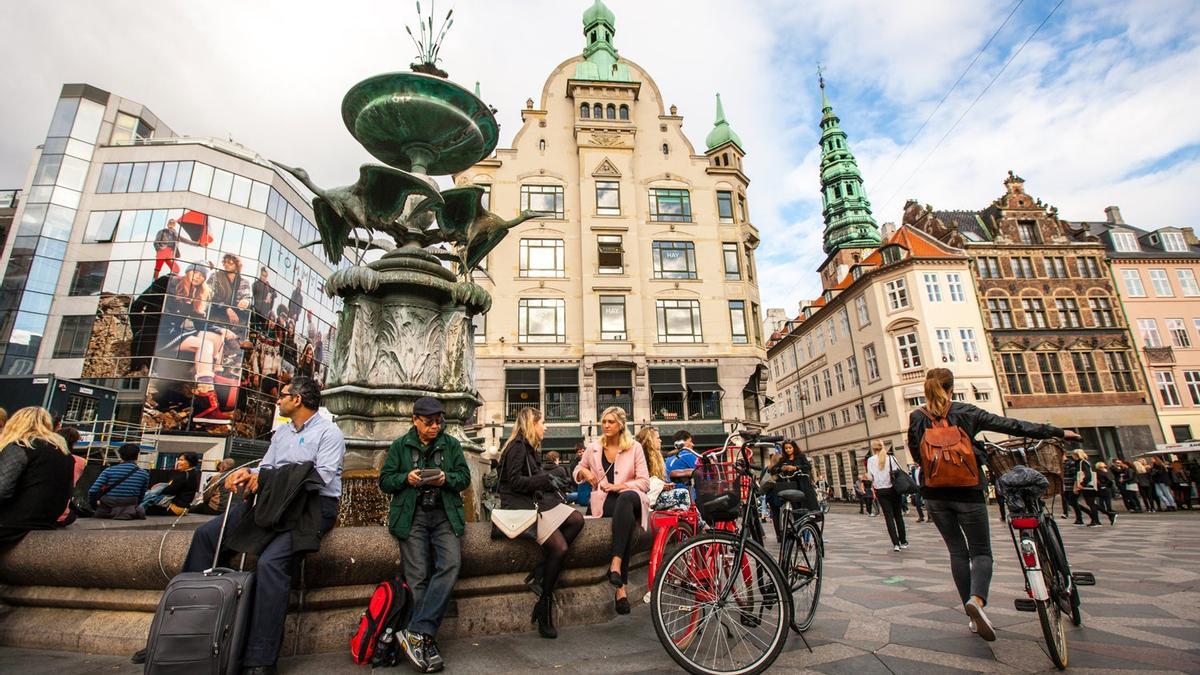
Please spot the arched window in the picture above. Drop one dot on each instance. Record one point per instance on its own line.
(612, 111)
(725, 159)
(666, 150)
(624, 112)
(598, 111)
(837, 192)
(593, 37)
(585, 110)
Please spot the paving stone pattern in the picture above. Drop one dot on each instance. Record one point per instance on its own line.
(880, 612)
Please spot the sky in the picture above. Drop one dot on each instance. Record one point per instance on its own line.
(1099, 108)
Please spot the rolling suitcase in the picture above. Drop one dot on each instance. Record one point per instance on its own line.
(201, 622)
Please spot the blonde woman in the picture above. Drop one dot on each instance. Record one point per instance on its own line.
(36, 474)
(524, 484)
(666, 495)
(1145, 484)
(880, 465)
(1087, 484)
(615, 465)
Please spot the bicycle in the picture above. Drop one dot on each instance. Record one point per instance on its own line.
(721, 603)
(1052, 587)
(801, 553)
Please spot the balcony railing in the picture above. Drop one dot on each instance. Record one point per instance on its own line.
(1160, 356)
(514, 406)
(667, 410)
(603, 401)
(567, 411)
(913, 376)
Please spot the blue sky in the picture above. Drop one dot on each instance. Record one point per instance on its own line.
(1099, 109)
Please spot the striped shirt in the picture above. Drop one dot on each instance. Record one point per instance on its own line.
(135, 483)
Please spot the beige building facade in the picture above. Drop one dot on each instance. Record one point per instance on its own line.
(636, 284)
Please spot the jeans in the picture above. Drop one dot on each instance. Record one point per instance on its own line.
(1164, 495)
(272, 580)
(964, 527)
(919, 503)
(432, 556)
(889, 503)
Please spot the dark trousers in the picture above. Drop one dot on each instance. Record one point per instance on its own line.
(626, 513)
(1089, 500)
(1149, 497)
(889, 503)
(272, 580)
(1104, 501)
(865, 502)
(1131, 501)
(1067, 496)
(1071, 500)
(432, 557)
(964, 528)
(919, 502)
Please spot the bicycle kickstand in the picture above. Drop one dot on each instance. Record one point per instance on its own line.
(806, 645)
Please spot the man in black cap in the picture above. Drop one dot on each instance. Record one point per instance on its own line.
(425, 472)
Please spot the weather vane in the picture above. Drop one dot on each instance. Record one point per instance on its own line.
(428, 41)
(820, 75)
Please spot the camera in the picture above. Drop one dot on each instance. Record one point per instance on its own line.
(679, 445)
(428, 499)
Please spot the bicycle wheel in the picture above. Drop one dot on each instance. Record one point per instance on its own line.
(740, 634)
(802, 560)
(1050, 613)
(1068, 601)
(665, 542)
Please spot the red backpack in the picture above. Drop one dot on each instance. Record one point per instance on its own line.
(390, 608)
(947, 455)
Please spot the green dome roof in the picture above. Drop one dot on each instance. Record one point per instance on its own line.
(721, 132)
(599, 12)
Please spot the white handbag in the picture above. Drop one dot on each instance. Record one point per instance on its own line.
(512, 522)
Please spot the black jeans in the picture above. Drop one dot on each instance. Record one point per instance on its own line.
(272, 580)
(625, 510)
(1071, 500)
(964, 528)
(889, 503)
(1089, 500)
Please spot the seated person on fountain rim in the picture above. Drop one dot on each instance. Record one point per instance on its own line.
(307, 437)
(426, 472)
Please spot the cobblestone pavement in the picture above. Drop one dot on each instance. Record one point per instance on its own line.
(880, 612)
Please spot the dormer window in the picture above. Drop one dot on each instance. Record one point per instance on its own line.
(1174, 242)
(1027, 232)
(892, 255)
(1125, 242)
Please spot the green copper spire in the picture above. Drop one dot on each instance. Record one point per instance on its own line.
(601, 61)
(721, 132)
(847, 212)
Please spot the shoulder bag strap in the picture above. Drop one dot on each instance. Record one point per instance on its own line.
(110, 487)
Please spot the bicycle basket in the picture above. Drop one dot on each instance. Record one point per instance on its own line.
(717, 482)
(1045, 458)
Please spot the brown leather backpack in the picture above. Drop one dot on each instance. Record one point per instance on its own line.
(947, 456)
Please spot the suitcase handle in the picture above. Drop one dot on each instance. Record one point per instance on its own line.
(220, 538)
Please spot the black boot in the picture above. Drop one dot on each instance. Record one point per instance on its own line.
(543, 615)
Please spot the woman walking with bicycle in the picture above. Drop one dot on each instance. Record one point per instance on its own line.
(957, 508)
(880, 466)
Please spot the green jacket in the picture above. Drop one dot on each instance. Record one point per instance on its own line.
(393, 479)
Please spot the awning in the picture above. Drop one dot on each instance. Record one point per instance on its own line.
(666, 388)
(912, 392)
(982, 386)
(704, 386)
(877, 400)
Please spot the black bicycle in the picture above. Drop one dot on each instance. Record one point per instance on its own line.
(801, 553)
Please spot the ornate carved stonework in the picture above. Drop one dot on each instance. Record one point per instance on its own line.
(606, 138)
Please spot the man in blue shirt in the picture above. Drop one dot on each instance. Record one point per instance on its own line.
(683, 463)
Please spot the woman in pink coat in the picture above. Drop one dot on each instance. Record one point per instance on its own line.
(616, 467)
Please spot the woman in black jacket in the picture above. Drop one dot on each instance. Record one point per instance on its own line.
(1087, 484)
(524, 484)
(791, 471)
(960, 513)
(36, 475)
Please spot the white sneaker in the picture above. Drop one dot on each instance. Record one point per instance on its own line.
(983, 627)
(971, 626)
(896, 547)
(904, 545)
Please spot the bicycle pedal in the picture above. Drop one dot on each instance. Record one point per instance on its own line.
(1083, 578)
(1025, 604)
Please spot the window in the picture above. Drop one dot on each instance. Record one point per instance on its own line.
(1165, 380)
(859, 412)
(933, 289)
(89, 277)
(1181, 432)
(1161, 284)
(749, 263)
(872, 363)
(1148, 329)
(1085, 370)
(73, 335)
(522, 387)
(733, 272)
(1088, 267)
(561, 403)
(988, 268)
(1023, 267)
(741, 208)
(1068, 312)
(844, 320)
(679, 321)
(1178, 331)
(1118, 365)
(674, 259)
(845, 416)
(860, 307)
(954, 282)
(1035, 312)
(1124, 242)
(970, 347)
(945, 342)
(820, 333)
(612, 317)
(541, 320)
(821, 423)
(129, 129)
(1052, 377)
(833, 420)
(816, 387)
(1027, 232)
(1174, 242)
(852, 367)
(479, 326)
(1133, 284)
(828, 383)
(897, 293)
(542, 258)
(1187, 281)
(724, 206)
(839, 377)
(915, 401)
(485, 199)
(1192, 378)
(1102, 312)
(1056, 268)
(879, 408)
(737, 321)
(546, 201)
(1000, 313)
(670, 205)
(585, 111)
(623, 112)
(832, 332)
(910, 354)
(611, 254)
(608, 198)
(1015, 374)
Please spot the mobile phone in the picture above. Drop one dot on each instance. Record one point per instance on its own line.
(429, 475)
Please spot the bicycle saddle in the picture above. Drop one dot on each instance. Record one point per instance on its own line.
(791, 496)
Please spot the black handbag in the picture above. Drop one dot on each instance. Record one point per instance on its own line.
(901, 481)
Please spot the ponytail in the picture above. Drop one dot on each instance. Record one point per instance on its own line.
(939, 382)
